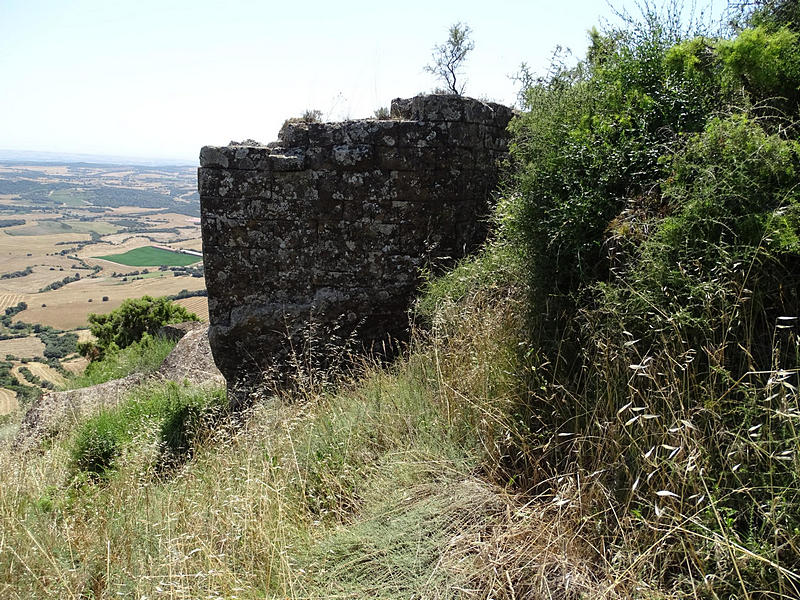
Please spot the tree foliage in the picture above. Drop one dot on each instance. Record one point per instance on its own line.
(127, 324)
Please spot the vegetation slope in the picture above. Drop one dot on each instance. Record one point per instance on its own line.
(601, 404)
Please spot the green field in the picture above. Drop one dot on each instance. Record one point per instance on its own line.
(54, 226)
(70, 197)
(149, 256)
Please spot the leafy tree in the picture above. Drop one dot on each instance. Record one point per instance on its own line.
(448, 58)
(136, 316)
(773, 14)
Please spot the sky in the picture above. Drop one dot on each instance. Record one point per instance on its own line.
(160, 79)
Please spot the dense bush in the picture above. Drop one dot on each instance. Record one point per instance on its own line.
(13, 310)
(11, 222)
(14, 274)
(654, 207)
(57, 345)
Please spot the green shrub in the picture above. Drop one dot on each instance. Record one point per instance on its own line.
(144, 356)
(590, 139)
(98, 443)
(180, 416)
(765, 64)
(128, 323)
(655, 206)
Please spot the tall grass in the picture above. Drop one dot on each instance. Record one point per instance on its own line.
(144, 356)
(654, 209)
(368, 491)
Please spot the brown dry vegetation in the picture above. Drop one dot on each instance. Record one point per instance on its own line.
(84, 335)
(41, 277)
(8, 401)
(14, 250)
(198, 305)
(12, 299)
(40, 370)
(30, 346)
(75, 366)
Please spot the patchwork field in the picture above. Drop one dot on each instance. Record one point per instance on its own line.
(41, 276)
(77, 239)
(69, 307)
(39, 370)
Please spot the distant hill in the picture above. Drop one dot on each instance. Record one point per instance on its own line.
(96, 159)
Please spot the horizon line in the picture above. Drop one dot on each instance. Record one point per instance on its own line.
(41, 156)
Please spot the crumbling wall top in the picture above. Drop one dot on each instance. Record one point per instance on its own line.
(423, 121)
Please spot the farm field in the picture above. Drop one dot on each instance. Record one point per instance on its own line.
(8, 401)
(69, 307)
(150, 256)
(57, 226)
(10, 299)
(75, 365)
(198, 305)
(28, 347)
(80, 238)
(41, 276)
(40, 370)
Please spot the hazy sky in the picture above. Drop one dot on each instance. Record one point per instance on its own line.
(163, 78)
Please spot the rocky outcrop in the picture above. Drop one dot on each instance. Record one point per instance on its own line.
(190, 361)
(322, 236)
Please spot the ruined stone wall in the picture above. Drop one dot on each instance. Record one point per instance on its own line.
(333, 223)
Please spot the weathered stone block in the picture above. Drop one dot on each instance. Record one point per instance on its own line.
(234, 183)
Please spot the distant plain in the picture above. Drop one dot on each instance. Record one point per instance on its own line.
(80, 238)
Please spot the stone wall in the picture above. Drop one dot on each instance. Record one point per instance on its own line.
(332, 224)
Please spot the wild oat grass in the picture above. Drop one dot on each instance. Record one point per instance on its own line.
(369, 490)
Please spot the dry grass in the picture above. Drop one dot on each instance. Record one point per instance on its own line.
(371, 491)
(395, 486)
(438, 477)
(27, 347)
(8, 401)
(10, 299)
(41, 277)
(76, 366)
